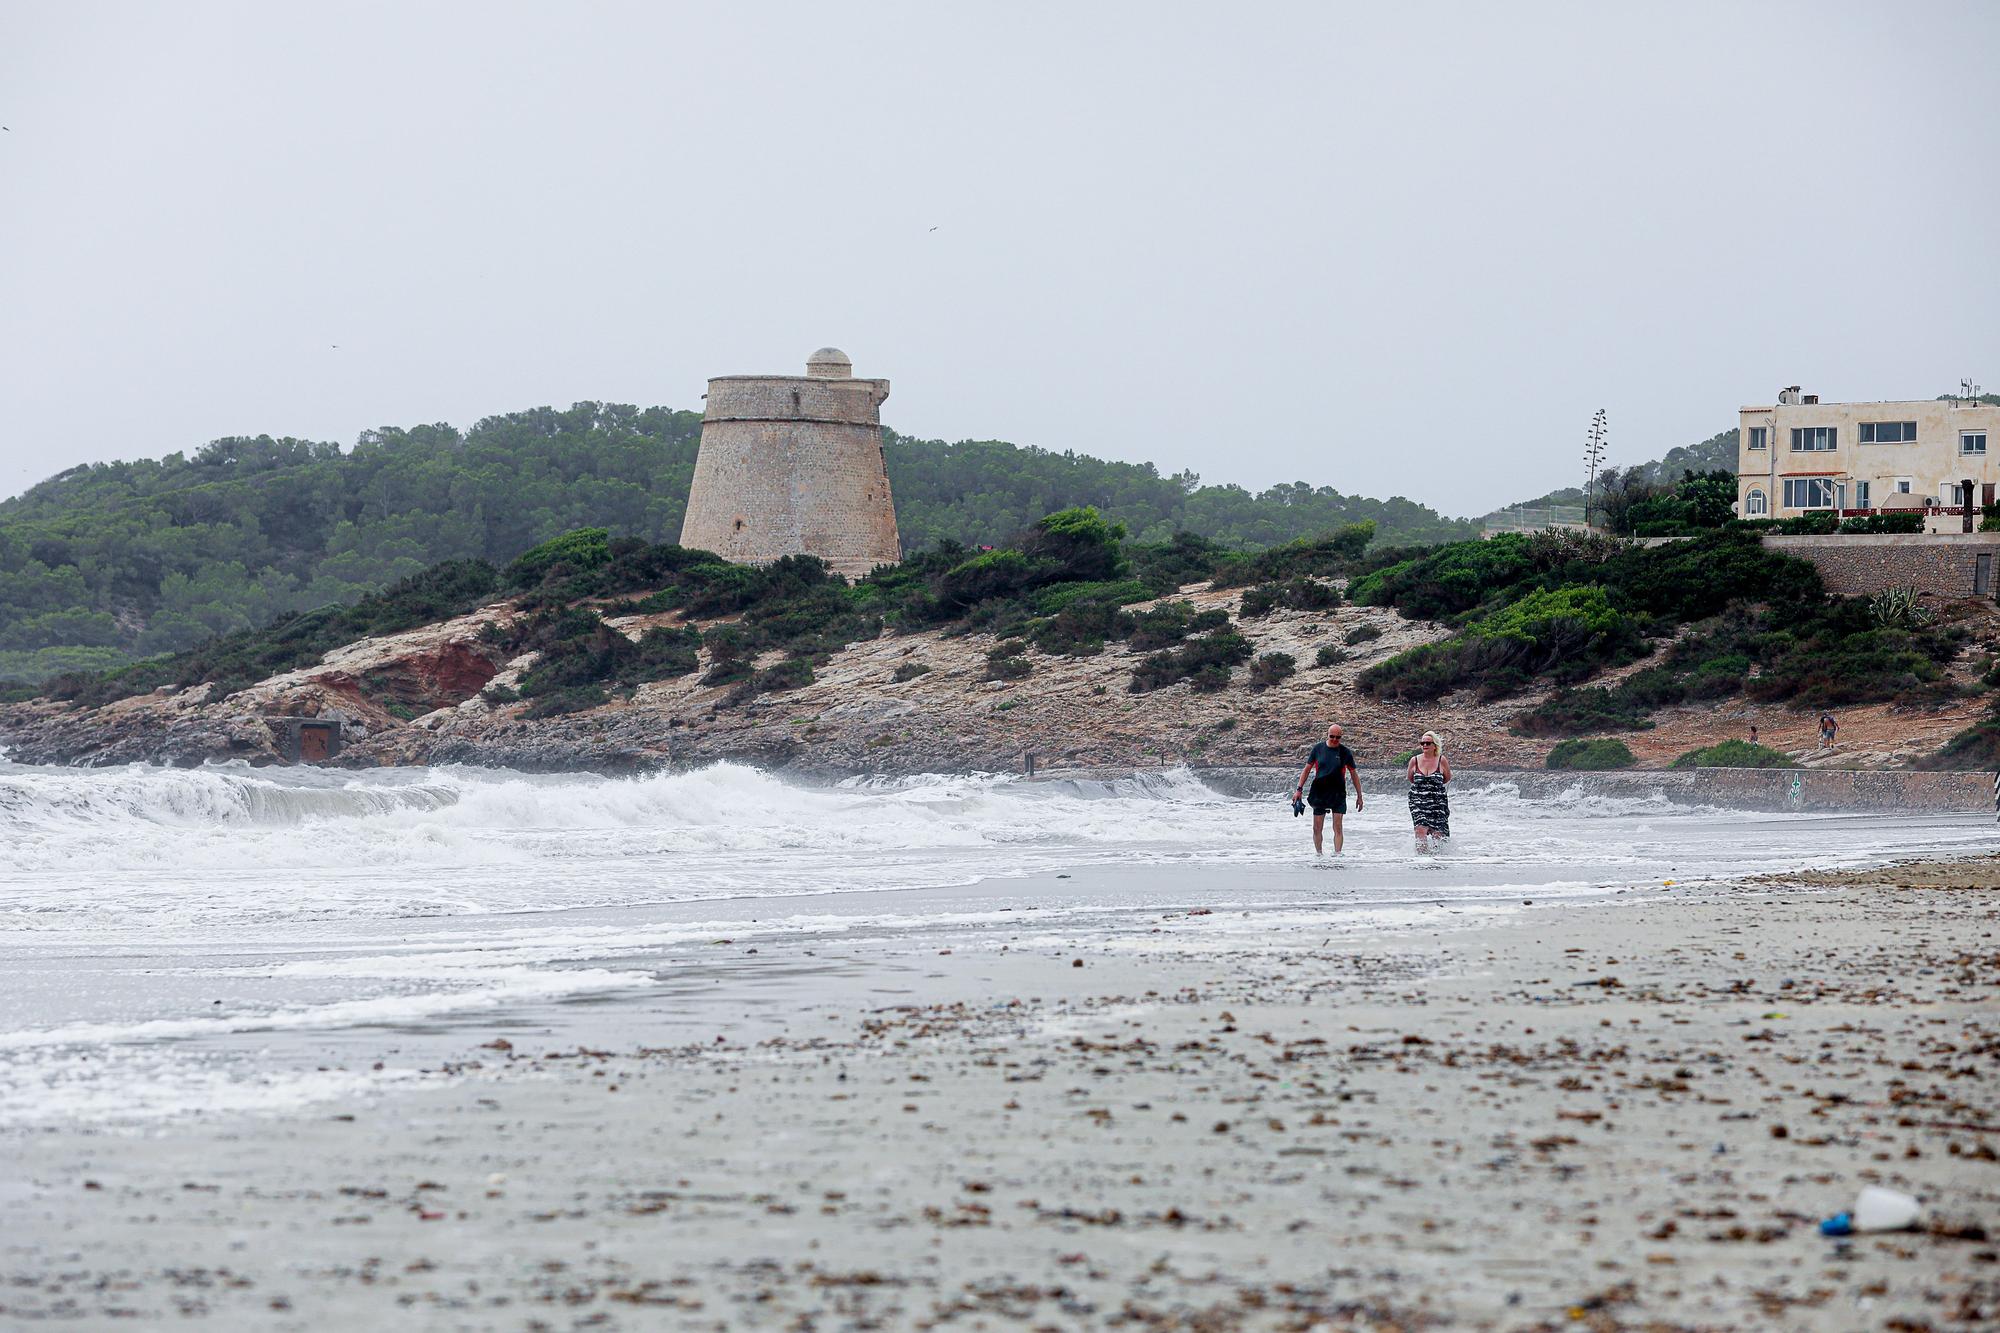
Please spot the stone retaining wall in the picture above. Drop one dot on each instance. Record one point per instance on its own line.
(1945, 565)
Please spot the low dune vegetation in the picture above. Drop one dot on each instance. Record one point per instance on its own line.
(1734, 754)
(1596, 754)
(1062, 587)
(1717, 615)
(1601, 633)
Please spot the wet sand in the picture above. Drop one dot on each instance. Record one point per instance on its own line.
(1615, 1115)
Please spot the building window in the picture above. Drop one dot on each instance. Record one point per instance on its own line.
(1758, 436)
(1754, 506)
(1972, 442)
(1902, 485)
(1814, 439)
(1809, 492)
(1861, 495)
(1888, 432)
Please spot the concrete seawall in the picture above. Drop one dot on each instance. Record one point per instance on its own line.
(1775, 789)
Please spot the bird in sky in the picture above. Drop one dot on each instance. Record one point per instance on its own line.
(933, 228)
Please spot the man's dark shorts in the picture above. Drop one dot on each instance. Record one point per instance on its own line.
(1329, 795)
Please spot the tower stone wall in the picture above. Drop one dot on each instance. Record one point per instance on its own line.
(791, 465)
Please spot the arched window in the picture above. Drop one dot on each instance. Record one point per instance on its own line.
(1754, 505)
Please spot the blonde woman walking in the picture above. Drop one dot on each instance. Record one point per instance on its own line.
(1430, 807)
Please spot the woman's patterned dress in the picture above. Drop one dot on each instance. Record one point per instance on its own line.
(1429, 806)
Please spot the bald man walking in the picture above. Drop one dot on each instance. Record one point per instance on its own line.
(1323, 784)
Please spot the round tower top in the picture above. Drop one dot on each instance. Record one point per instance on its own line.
(829, 363)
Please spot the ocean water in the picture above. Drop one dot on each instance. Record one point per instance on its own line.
(177, 941)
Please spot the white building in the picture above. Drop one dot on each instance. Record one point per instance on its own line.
(1800, 454)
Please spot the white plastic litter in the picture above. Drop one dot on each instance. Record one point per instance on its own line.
(1877, 1209)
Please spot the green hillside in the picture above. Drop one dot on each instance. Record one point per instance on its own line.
(1716, 453)
(108, 562)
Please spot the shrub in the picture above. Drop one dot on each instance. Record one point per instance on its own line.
(1261, 600)
(1361, 634)
(578, 550)
(1333, 554)
(1271, 668)
(1205, 661)
(1567, 630)
(1054, 598)
(995, 575)
(578, 649)
(1299, 594)
(1895, 520)
(1655, 687)
(1567, 633)
(1076, 544)
(568, 699)
(660, 654)
(1600, 752)
(1499, 682)
(1977, 747)
(1831, 668)
(1576, 712)
(1718, 679)
(1568, 549)
(791, 674)
(1815, 524)
(1694, 579)
(1078, 630)
(1304, 594)
(1449, 580)
(1683, 580)
(1211, 678)
(1166, 566)
(1734, 754)
(1169, 623)
(1422, 673)
(1005, 663)
(1374, 587)
(729, 657)
(909, 671)
(1329, 654)
(1900, 608)
(1001, 617)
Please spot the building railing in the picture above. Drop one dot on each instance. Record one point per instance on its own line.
(1932, 510)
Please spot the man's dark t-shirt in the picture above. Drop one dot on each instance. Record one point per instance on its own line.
(1329, 790)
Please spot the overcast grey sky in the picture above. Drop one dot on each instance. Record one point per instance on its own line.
(1399, 248)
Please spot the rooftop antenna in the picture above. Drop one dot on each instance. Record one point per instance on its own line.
(1968, 391)
(1593, 458)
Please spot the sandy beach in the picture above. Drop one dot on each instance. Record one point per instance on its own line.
(1629, 1114)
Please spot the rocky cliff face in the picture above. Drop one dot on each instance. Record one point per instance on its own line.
(416, 698)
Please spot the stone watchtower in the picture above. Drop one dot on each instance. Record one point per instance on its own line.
(792, 465)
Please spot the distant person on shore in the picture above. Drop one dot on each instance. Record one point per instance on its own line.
(1753, 733)
(1430, 807)
(1828, 729)
(1323, 783)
